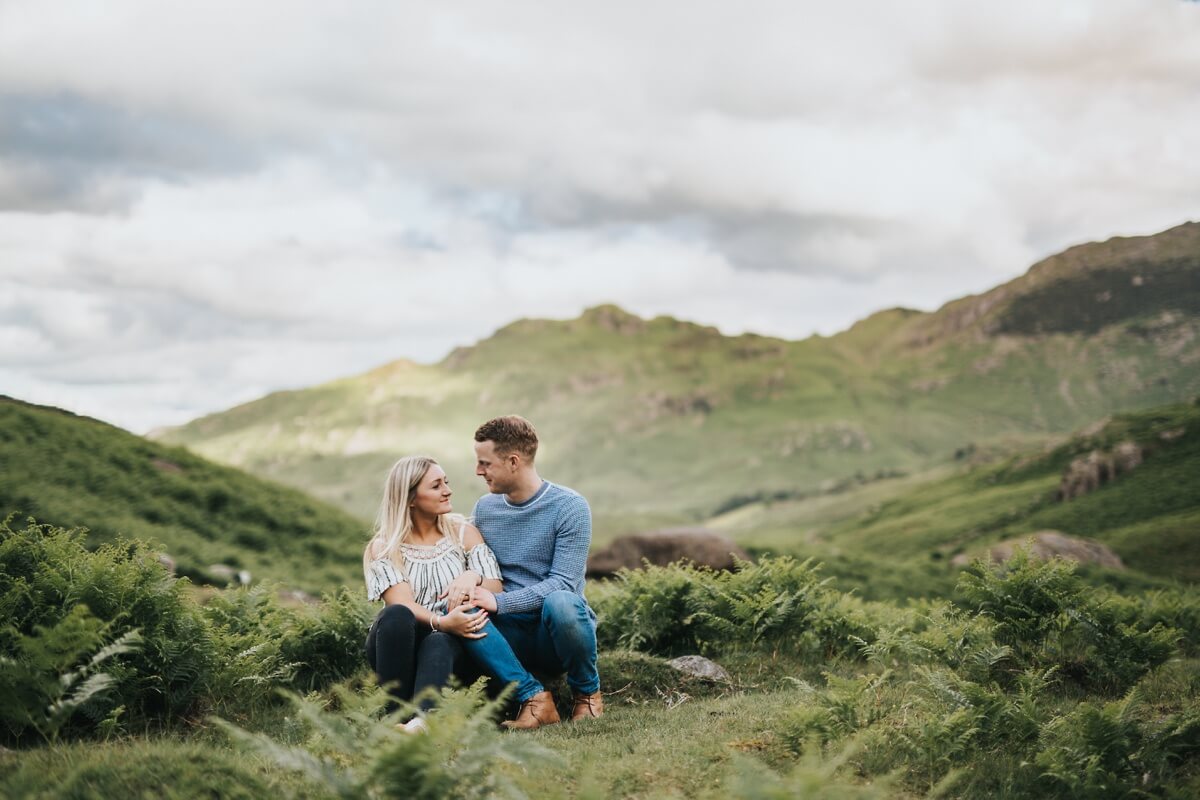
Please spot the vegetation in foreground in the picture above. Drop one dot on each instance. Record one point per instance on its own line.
(1027, 682)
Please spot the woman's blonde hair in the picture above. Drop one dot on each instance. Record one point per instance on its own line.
(394, 525)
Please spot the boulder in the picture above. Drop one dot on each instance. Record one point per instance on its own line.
(1088, 473)
(699, 545)
(700, 667)
(167, 562)
(1045, 545)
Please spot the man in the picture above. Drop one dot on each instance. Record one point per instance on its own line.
(540, 533)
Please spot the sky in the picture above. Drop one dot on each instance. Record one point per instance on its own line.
(201, 203)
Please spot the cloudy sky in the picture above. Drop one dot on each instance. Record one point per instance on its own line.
(203, 202)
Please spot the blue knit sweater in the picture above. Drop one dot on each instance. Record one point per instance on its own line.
(541, 544)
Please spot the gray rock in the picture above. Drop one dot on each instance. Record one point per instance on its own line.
(699, 545)
(700, 667)
(1088, 473)
(1045, 545)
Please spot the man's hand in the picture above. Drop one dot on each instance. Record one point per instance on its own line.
(484, 599)
(459, 590)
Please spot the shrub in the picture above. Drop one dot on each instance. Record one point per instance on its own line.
(1118, 749)
(351, 754)
(44, 682)
(1171, 608)
(776, 603)
(46, 574)
(263, 646)
(1090, 752)
(1050, 618)
(74, 618)
(247, 627)
(651, 610)
(326, 642)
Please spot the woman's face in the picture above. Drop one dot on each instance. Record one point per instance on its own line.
(433, 493)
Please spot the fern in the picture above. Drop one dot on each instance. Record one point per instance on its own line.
(776, 603)
(45, 684)
(1049, 618)
(352, 754)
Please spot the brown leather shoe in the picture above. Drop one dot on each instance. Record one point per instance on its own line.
(535, 712)
(587, 706)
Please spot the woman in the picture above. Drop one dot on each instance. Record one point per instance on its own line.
(423, 561)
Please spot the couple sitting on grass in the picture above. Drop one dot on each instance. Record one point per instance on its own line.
(504, 595)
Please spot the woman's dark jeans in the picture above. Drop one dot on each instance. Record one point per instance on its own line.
(408, 657)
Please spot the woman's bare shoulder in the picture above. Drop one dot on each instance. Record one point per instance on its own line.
(471, 535)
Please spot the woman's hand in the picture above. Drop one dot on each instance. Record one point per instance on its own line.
(464, 620)
(459, 590)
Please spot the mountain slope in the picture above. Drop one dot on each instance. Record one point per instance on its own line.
(74, 471)
(1150, 516)
(663, 420)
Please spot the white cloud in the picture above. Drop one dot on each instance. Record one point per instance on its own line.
(200, 203)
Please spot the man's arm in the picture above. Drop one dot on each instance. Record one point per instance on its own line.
(572, 539)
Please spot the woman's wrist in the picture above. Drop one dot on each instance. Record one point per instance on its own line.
(435, 622)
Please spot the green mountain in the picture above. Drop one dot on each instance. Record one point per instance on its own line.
(662, 420)
(72, 471)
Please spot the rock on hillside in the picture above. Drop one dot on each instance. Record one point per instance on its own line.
(1045, 545)
(1088, 473)
(701, 546)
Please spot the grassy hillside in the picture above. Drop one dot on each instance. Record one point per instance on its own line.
(665, 421)
(1150, 516)
(1028, 683)
(72, 471)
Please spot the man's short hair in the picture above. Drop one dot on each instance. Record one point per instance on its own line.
(509, 434)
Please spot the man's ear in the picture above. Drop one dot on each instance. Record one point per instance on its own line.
(514, 460)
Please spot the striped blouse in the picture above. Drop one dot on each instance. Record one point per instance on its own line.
(429, 569)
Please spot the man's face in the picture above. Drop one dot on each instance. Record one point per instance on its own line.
(497, 471)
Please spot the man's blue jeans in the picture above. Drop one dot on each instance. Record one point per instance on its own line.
(559, 638)
(495, 656)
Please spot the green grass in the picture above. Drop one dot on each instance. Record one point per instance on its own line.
(671, 746)
(74, 471)
(172, 768)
